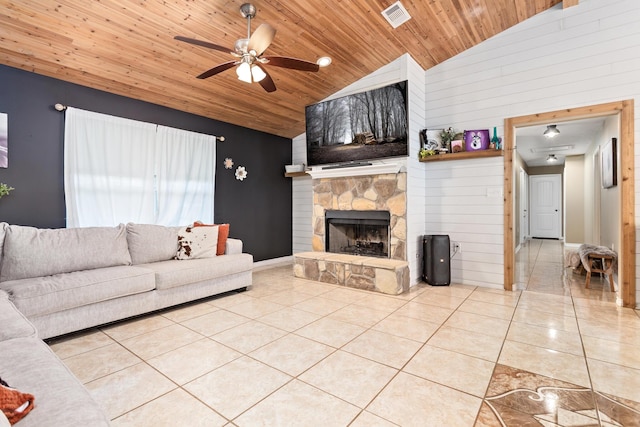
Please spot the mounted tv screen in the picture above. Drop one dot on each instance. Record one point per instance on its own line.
(364, 126)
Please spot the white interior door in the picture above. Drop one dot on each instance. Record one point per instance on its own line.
(545, 206)
(524, 205)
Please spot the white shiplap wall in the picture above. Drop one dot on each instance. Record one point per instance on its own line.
(561, 58)
(302, 200)
(403, 68)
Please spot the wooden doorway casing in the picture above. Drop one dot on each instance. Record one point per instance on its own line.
(627, 258)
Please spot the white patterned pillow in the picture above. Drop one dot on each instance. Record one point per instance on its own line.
(197, 242)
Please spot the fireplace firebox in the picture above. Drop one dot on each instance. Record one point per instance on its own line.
(356, 232)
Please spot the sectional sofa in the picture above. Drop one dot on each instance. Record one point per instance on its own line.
(57, 281)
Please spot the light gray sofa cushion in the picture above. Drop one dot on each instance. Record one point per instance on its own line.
(13, 324)
(30, 366)
(49, 294)
(151, 243)
(173, 273)
(32, 252)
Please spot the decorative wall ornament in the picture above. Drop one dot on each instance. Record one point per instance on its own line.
(241, 173)
(228, 163)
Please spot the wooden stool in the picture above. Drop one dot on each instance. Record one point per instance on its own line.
(600, 264)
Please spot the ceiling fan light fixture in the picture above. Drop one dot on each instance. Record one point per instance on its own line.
(551, 158)
(244, 72)
(323, 61)
(551, 131)
(248, 53)
(257, 73)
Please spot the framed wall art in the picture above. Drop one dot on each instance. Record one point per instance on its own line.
(476, 139)
(4, 140)
(609, 157)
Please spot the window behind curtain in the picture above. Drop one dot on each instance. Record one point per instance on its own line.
(119, 170)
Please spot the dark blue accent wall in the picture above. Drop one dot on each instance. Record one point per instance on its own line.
(258, 208)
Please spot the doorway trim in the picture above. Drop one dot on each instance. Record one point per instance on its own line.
(627, 258)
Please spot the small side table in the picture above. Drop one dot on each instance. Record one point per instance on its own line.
(600, 264)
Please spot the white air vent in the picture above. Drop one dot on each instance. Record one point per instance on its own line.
(396, 14)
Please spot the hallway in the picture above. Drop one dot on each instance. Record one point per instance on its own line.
(540, 268)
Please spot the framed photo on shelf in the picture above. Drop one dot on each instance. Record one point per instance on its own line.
(457, 146)
(476, 139)
(609, 157)
(433, 139)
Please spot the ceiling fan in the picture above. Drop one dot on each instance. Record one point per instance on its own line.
(248, 52)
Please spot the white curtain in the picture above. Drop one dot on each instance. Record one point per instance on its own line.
(119, 170)
(185, 172)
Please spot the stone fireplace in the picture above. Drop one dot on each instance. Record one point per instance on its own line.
(363, 233)
(382, 200)
(384, 192)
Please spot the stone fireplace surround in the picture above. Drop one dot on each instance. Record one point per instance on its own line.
(361, 193)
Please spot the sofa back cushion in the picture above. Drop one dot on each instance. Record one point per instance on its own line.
(32, 252)
(151, 243)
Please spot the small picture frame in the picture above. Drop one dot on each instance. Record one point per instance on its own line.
(457, 146)
(609, 157)
(433, 139)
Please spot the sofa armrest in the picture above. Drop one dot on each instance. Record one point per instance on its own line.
(234, 246)
(13, 324)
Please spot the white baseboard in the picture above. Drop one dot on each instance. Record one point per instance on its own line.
(274, 262)
(575, 246)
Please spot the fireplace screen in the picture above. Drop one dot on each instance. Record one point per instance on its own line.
(358, 233)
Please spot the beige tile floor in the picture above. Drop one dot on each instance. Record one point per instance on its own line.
(292, 352)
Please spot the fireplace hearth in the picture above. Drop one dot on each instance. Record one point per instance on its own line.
(355, 232)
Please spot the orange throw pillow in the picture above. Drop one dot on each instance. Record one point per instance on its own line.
(14, 404)
(223, 234)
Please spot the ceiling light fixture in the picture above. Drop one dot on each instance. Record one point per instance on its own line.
(323, 61)
(244, 72)
(551, 158)
(551, 131)
(257, 73)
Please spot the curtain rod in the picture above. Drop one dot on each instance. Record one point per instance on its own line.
(61, 107)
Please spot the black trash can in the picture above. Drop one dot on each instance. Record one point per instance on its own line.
(436, 269)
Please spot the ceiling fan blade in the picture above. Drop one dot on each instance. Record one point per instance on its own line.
(203, 44)
(217, 69)
(261, 39)
(293, 63)
(267, 83)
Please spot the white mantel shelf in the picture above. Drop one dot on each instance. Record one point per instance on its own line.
(377, 169)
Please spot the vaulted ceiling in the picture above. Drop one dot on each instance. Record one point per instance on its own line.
(127, 47)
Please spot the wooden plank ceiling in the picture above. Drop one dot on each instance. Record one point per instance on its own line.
(126, 47)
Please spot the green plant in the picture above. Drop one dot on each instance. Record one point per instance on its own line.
(448, 135)
(5, 189)
(425, 153)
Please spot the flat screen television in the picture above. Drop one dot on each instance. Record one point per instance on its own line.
(355, 128)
